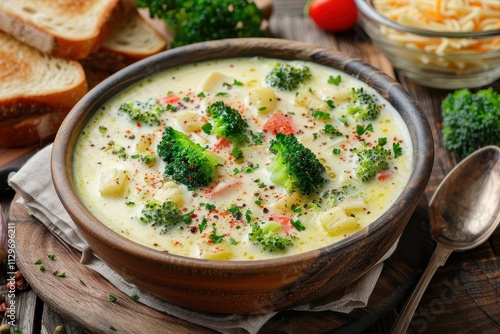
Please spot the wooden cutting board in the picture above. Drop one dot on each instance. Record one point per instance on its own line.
(82, 296)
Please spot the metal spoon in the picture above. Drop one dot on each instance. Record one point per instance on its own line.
(464, 212)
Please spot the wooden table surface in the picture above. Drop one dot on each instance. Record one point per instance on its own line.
(464, 295)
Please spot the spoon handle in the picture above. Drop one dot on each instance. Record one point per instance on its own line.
(438, 258)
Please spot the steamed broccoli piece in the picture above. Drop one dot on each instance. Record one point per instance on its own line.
(160, 214)
(372, 160)
(228, 123)
(186, 161)
(287, 77)
(471, 120)
(295, 166)
(194, 21)
(363, 105)
(148, 112)
(334, 196)
(268, 237)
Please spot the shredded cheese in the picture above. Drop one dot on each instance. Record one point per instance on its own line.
(446, 16)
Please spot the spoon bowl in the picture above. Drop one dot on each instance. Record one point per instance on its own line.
(464, 212)
(465, 209)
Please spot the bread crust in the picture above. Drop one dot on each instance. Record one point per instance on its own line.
(135, 38)
(36, 105)
(138, 29)
(28, 130)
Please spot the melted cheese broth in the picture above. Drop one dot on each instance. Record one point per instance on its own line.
(111, 144)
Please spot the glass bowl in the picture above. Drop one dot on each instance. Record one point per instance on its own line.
(431, 57)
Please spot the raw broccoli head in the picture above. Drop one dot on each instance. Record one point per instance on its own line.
(203, 20)
(148, 112)
(363, 105)
(228, 123)
(471, 120)
(287, 77)
(371, 160)
(295, 166)
(268, 237)
(163, 214)
(186, 161)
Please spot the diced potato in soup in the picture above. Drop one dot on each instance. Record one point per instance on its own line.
(253, 205)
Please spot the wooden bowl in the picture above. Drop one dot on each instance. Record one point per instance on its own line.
(244, 286)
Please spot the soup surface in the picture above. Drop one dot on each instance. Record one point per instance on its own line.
(306, 156)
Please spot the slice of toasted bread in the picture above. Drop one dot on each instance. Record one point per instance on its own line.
(33, 83)
(132, 40)
(64, 28)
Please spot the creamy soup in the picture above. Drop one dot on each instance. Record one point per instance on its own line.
(245, 211)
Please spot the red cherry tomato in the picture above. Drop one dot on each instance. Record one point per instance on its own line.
(333, 15)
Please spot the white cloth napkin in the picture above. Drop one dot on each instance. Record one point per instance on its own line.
(39, 196)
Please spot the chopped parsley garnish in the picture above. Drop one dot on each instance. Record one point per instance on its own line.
(334, 80)
(208, 206)
(207, 128)
(298, 225)
(149, 159)
(237, 153)
(318, 114)
(235, 211)
(235, 83)
(296, 208)
(51, 256)
(330, 129)
(398, 150)
(111, 299)
(257, 139)
(248, 169)
(202, 225)
(248, 216)
(382, 141)
(214, 237)
(361, 130)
